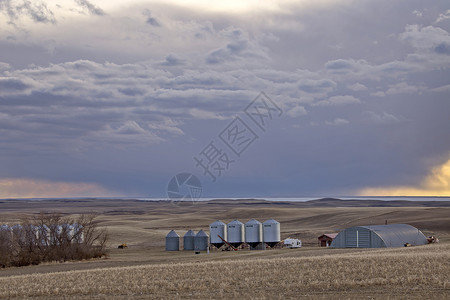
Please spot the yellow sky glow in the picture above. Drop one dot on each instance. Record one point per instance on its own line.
(437, 184)
(32, 188)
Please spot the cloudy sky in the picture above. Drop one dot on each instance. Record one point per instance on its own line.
(113, 98)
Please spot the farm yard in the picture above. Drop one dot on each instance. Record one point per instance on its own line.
(145, 270)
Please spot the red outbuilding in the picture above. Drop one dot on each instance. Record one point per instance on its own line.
(326, 239)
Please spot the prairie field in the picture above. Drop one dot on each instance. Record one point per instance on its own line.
(145, 270)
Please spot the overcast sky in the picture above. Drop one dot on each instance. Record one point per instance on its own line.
(113, 98)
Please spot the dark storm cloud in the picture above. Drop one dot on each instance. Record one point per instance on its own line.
(36, 10)
(173, 60)
(240, 46)
(150, 19)
(443, 48)
(91, 8)
(12, 84)
(365, 101)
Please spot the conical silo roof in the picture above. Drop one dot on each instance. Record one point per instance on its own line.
(172, 233)
(253, 222)
(217, 223)
(201, 233)
(271, 221)
(189, 233)
(235, 222)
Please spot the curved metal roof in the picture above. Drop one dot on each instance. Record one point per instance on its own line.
(396, 235)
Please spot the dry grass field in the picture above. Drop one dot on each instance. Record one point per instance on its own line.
(145, 270)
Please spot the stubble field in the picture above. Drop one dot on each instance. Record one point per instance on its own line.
(145, 270)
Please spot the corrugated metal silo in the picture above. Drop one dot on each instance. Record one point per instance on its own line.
(78, 233)
(188, 240)
(201, 241)
(271, 232)
(216, 229)
(236, 233)
(253, 233)
(172, 241)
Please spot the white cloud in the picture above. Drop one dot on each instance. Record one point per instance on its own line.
(383, 118)
(428, 38)
(403, 88)
(337, 122)
(357, 87)
(442, 89)
(378, 94)
(417, 13)
(443, 16)
(297, 111)
(338, 100)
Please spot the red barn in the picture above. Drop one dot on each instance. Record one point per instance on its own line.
(326, 239)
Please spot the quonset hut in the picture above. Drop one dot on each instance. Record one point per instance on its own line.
(379, 236)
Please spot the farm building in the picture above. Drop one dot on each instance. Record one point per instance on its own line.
(379, 236)
(326, 239)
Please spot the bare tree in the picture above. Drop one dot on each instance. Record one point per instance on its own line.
(52, 237)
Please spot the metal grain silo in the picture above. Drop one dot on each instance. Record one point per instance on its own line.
(201, 241)
(216, 229)
(188, 240)
(236, 233)
(172, 241)
(78, 233)
(271, 232)
(253, 233)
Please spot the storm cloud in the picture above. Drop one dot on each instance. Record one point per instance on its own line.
(127, 105)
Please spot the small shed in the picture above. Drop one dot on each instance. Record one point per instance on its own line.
(379, 236)
(326, 239)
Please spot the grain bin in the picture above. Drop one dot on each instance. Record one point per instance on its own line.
(236, 233)
(188, 240)
(253, 233)
(216, 229)
(271, 232)
(78, 233)
(201, 241)
(172, 241)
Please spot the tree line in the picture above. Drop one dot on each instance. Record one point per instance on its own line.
(51, 237)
